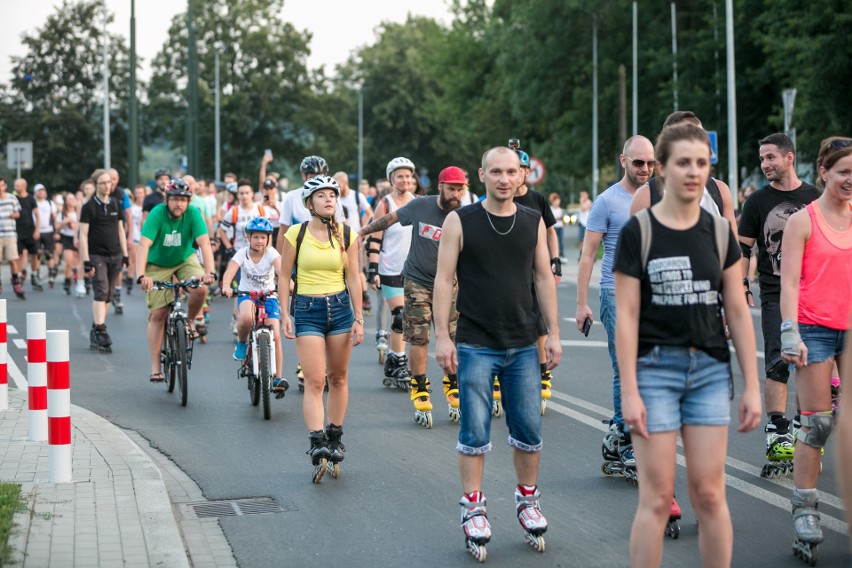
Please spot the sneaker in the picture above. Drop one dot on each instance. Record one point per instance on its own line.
(240, 350)
(280, 384)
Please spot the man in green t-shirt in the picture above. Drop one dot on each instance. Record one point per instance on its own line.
(166, 251)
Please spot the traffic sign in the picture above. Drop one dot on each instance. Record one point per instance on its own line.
(536, 171)
(714, 146)
(19, 156)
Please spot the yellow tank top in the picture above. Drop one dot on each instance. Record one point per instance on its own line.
(320, 267)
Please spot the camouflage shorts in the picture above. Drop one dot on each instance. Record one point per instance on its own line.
(417, 314)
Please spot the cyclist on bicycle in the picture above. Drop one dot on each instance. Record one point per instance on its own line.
(258, 264)
(166, 251)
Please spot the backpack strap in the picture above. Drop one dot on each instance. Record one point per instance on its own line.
(722, 232)
(655, 188)
(299, 238)
(715, 193)
(644, 219)
(260, 210)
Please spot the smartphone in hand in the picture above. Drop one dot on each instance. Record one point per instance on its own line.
(268, 153)
(587, 325)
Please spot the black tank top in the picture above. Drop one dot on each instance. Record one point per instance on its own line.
(495, 275)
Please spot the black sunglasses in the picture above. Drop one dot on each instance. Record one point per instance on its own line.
(841, 143)
(639, 163)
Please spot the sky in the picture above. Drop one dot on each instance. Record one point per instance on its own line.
(338, 26)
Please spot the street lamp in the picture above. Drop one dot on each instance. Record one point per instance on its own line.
(217, 47)
(360, 132)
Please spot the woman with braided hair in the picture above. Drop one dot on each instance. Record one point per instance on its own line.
(326, 308)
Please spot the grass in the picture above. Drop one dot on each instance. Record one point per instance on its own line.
(9, 503)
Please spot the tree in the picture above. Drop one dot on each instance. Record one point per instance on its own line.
(55, 96)
(266, 90)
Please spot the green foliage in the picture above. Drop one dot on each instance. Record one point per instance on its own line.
(9, 503)
(55, 96)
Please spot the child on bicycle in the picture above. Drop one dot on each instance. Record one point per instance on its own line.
(258, 264)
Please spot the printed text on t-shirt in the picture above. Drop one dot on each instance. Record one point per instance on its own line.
(430, 231)
(672, 284)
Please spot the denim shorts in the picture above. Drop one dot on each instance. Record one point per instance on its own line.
(323, 315)
(683, 387)
(520, 386)
(822, 343)
(273, 310)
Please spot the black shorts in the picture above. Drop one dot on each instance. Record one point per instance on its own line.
(28, 243)
(107, 270)
(67, 243)
(46, 242)
(770, 313)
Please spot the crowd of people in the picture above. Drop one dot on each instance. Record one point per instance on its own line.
(674, 290)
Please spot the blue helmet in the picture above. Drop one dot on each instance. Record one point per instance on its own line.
(259, 225)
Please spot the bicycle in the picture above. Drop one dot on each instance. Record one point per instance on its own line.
(176, 355)
(259, 370)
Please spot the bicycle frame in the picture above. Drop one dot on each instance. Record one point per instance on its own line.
(177, 312)
(261, 327)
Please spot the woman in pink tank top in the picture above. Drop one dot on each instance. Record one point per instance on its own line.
(816, 300)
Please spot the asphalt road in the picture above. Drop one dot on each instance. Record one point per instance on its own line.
(396, 500)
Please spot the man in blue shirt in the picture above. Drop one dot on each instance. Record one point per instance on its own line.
(609, 213)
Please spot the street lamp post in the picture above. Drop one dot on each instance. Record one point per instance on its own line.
(360, 132)
(635, 68)
(733, 175)
(595, 169)
(217, 131)
(674, 55)
(133, 131)
(107, 150)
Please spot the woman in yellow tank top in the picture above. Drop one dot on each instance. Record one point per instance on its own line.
(327, 312)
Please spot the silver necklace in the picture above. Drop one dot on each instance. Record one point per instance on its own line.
(514, 218)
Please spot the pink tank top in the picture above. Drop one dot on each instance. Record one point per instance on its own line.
(825, 287)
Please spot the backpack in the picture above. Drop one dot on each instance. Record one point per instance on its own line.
(657, 191)
(721, 229)
(347, 232)
(235, 211)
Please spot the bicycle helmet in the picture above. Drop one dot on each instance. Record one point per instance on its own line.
(314, 165)
(515, 145)
(162, 172)
(232, 187)
(259, 225)
(177, 188)
(315, 184)
(398, 163)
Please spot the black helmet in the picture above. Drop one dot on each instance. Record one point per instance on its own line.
(162, 172)
(314, 165)
(177, 188)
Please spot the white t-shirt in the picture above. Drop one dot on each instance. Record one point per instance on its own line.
(293, 210)
(238, 234)
(273, 212)
(136, 219)
(45, 208)
(67, 230)
(353, 204)
(259, 277)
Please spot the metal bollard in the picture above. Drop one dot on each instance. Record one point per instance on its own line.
(4, 371)
(58, 406)
(37, 375)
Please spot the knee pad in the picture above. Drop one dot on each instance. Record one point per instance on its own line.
(779, 372)
(396, 323)
(821, 424)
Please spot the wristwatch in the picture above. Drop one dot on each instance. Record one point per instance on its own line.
(360, 320)
(786, 325)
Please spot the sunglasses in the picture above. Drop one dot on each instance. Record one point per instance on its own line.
(639, 163)
(841, 143)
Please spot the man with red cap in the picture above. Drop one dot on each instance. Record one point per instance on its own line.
(426, 215)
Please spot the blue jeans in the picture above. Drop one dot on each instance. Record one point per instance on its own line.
(520, 386)
(322, 316)
(822, 343)
(608, 320)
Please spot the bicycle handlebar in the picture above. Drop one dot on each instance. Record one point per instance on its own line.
(191, 283)
(259, 296)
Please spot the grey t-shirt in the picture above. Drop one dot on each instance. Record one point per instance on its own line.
(426, 218)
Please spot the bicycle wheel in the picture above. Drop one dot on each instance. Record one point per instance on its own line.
(263, 369)
(253, 383)
(179, 355)
(168, 361)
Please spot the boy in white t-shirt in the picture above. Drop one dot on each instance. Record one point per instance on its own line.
(258, 264)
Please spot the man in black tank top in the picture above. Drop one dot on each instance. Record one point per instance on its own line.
(497, 249)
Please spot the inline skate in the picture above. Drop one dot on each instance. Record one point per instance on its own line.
(319, 453)
(617, 451)
(51, 276)
(80, 289)
(806, 524)
(99, 339)
(17, 287)
(366, 304)
(87, 282)
(451, 391)
(128, 284)
(35, 282)
(382, 345)
(474, 522)
(66, 285)
(836, 394)
(116, 301)
(529, 515)
(779, 449)
(420, 397)
(336, 449)
(300, 375)
(675, 514)
(546, 379)
(396, 372)
(496, 400)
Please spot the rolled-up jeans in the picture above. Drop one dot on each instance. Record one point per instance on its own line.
(608, 319)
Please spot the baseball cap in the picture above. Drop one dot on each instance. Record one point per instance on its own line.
(269, 184)
(38, 186)
(452, 174)
(232, 187)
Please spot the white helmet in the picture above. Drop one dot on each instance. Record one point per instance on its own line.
(317, 183)
(398, 163)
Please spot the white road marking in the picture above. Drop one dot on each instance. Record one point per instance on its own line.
(11, 329)
(16, 374)
(20, 343)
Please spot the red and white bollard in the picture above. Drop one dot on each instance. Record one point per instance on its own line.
(37, 375)
(58, 406)
(4, 371)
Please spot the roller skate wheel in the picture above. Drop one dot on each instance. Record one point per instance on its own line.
(607, 469)
(301, 387)
(423, 418)
(673, 530)
(536, 541)
(334, 469)
(497, 408)
(381, 356)
(387, 382)
(543, 406)
(455, 414)
(478, 550)
(319, 470)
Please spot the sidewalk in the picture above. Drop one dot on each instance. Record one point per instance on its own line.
(116, 512)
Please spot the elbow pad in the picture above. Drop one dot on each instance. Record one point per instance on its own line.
(745, 249)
